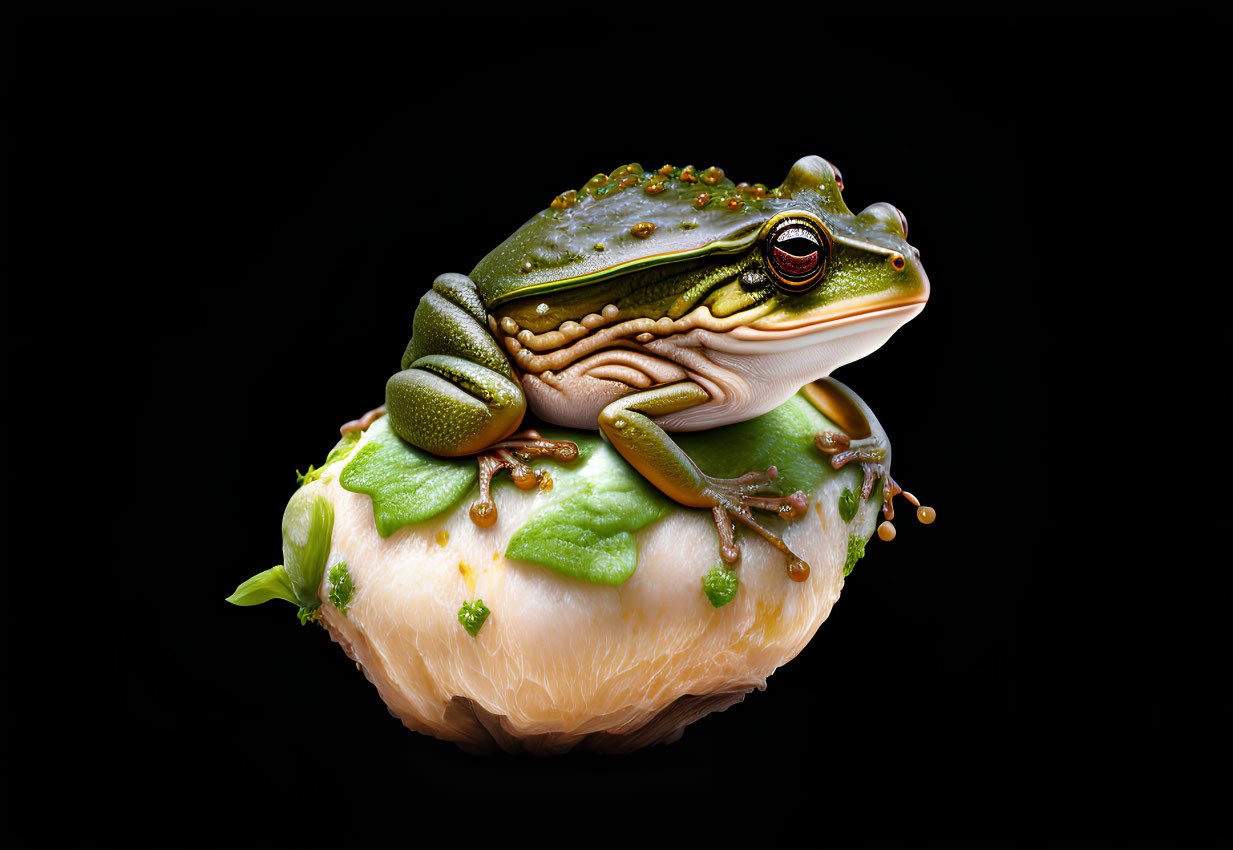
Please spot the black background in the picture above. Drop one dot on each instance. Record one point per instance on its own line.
(218, 232)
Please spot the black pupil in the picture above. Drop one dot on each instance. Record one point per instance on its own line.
(797, 247)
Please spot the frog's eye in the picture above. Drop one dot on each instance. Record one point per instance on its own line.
(838, 176)
(796, 253)
(885, 212)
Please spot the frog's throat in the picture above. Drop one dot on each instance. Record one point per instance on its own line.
(749, 372)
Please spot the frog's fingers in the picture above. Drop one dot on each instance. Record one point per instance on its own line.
(451, 406)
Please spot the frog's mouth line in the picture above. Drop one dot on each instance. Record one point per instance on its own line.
(879, 317)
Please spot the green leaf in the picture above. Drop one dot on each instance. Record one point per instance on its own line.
(856, 551)
(407, 485)
(271, 584)
(586, 530)
(719, 585)
(472, 616)
(849, 502)
(341, 449)
(341, 587)
(308, 524)
(782, 438)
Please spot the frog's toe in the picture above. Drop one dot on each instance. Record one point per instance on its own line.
(510, 454)
(364, 421)
(733, 499)
(874, 461)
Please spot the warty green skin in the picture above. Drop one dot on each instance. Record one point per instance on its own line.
(636, 262)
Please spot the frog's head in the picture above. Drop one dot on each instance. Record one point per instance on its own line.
(821, 272)
(771, 269)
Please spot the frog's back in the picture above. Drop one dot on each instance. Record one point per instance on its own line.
(627, 221)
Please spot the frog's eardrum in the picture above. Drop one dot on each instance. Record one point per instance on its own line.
(561, 663)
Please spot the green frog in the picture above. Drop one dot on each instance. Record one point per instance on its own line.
(648, 302)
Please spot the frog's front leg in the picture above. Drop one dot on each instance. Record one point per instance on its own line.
(457, 395)
(857, 441)
(628, 425)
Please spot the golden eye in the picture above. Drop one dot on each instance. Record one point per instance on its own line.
(797, 250)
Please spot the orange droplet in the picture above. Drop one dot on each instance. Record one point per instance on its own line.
(443, 537)
(643, 229)
(702, 200)
(926, 514)
(655, 188)
(886, 531)
(687, 175)
(712, 175)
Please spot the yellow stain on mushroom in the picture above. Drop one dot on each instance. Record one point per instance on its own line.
(468, 576)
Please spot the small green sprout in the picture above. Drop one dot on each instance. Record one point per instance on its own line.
(473, 615)
(341, 587)
(719, 585)
(856, 551)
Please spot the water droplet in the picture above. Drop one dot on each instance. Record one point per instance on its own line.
(541, 309)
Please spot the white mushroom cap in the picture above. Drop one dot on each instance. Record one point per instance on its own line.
(562, 662)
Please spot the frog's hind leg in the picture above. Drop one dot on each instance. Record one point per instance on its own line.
(856, 442)
(457, 394)
(628, 425)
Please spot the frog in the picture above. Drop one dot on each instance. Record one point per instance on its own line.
(652, 302)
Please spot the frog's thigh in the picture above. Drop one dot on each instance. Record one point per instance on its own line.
(450, 406)
(842, 406)
(628, 425)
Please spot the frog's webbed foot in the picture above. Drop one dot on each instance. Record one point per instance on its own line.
(732, 498)
(510, 454)
(873, 459)
(364, 421)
